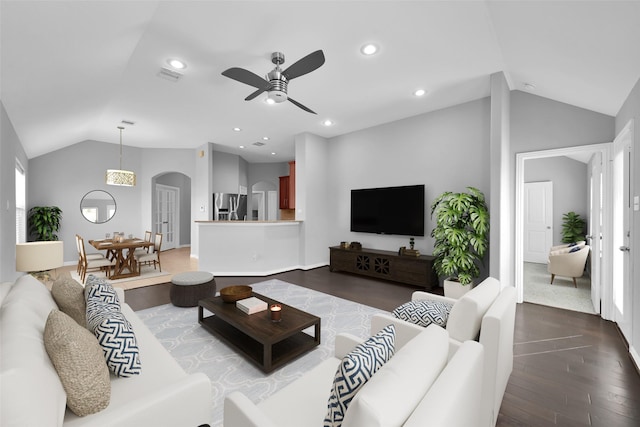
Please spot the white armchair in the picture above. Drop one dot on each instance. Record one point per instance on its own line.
(568, 264)
(566, 246)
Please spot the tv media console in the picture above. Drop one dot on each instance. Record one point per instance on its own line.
(388, 265)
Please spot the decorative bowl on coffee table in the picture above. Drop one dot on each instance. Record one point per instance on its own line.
(235, 293)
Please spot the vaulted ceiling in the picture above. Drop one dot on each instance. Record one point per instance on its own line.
(74, 70)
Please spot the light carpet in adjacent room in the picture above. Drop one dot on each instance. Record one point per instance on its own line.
(562, 294)
(196, 350)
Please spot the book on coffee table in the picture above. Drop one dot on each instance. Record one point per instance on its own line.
(251, 305)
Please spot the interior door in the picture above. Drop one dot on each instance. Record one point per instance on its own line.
(167, 215)
(594, 236)
(621, 174)
(538, 221)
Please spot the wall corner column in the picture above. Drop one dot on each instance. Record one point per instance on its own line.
(501, 198)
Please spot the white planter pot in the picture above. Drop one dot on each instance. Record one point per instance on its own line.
(453, 289)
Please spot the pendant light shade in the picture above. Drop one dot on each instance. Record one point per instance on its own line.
(119, 176)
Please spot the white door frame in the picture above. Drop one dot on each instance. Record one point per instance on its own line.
(624, 319)
(605, 150)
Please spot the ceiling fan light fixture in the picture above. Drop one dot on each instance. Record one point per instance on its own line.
(276, 97)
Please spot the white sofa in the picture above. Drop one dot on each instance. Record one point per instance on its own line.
(31, 393)
(487, 314)
(418, 386)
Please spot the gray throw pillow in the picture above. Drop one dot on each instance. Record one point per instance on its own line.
(69, 295)
(78, 359)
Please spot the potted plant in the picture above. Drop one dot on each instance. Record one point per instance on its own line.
(573, 227)
(461, 236)
(44, 222)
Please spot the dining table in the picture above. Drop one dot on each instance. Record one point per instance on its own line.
(122, 252)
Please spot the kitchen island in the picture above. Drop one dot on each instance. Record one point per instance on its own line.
(248, 248)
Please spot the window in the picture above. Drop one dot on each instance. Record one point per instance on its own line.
(21, 204)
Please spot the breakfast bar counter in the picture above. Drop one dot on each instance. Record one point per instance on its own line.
(248, 248)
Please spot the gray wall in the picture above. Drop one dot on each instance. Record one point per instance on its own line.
(446, 150)
(631, 110)
(10, 150)
(570, 187)
(61, 178)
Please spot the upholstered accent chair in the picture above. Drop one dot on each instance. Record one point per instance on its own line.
(568, 262)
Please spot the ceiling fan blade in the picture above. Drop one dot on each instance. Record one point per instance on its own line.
(247, 77)
(309, 63)
(294, 102)
(256, 93)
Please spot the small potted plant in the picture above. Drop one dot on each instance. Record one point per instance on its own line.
(44, 222)
(461, 236)
(573, 228)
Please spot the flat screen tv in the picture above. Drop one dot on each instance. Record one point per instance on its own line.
(389, 210)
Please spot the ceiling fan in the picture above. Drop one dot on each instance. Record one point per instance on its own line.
(277, 80)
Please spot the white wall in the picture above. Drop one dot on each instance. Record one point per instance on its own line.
(315, 202)
(570, 187)
(446, 150)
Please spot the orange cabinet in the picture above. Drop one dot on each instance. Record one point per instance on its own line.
(288, 188)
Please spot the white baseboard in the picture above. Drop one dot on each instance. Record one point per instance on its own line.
(268, 272)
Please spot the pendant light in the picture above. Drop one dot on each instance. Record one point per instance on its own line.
(119, 176)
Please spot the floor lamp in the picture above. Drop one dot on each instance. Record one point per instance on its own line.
(38, 258)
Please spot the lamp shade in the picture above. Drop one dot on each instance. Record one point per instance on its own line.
(39, 256)
(120, 177)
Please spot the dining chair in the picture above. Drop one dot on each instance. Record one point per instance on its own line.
(89, 256)
(102, 264)
(152, 256)
(142, 251)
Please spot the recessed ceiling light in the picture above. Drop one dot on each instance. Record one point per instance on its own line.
(369, 49)
(529, 86)
(242, 146)
(273, 153)
(177, 64)
(237, 129)
(420, 92)
(327, 122)
(265, 138)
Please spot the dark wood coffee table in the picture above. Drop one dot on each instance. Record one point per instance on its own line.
(267, 344)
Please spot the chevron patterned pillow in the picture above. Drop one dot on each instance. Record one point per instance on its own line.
(355, 370)
(98, 288)
(424, 312)
(115, 335)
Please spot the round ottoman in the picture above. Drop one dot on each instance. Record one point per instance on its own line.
(190, 287)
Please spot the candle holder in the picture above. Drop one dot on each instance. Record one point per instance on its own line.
(276, 312)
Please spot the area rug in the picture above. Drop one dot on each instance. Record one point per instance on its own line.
(196, 350)
(147, 272)
(562, 294)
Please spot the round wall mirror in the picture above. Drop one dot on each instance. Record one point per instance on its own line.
(98, 206)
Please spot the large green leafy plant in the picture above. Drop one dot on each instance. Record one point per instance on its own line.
(44, 222)
(461, 234)
(573, 228)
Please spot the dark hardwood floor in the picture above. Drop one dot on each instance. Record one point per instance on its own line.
(570, 368)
